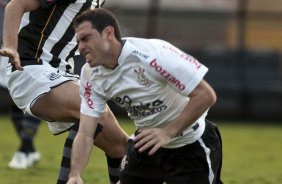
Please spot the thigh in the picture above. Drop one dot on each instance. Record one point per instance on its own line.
(197, 163)
(187, 165)
(212, 138)
(112, 139)
(61, 103)
(140, 167)
(41, 91)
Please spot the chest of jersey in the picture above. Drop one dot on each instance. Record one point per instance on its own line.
(133, 88)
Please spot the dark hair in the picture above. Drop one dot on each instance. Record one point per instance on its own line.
(100, 18)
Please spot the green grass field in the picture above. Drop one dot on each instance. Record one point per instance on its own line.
(252, 155)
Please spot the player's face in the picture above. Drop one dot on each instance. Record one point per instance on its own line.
(93, 45)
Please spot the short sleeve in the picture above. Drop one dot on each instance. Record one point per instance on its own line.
(179, 70)
(92, 104)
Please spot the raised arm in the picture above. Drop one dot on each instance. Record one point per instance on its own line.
(13, 14)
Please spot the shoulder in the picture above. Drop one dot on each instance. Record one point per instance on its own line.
(144, 41)
(86, 72)
(151, 45)
(144, 46)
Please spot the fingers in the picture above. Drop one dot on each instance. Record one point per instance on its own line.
(142, 138)
(148, 139)
(6, 52)
(18, 66)
(13, 56)
(154, 149)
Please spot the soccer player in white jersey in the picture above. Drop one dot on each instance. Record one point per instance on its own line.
(163, 90)
(40, 78)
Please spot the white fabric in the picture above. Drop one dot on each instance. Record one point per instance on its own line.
(25, 86)
(35, 80)
(28, 95)
(208, 157)
(59, 127)
(3, 71)
(152, 83)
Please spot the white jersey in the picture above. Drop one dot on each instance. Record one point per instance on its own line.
(151, 82)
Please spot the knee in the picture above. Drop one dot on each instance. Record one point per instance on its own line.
(115, 146)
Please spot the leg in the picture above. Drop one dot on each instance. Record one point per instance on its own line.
(111, 137)
(26, 128)
(17, 118)
(218, 164)
(113, 163)
(139, 180)
(65, 163)
(112, 140)
(197, 163)
(113, 168)
(28, 133)
(30, 127)
(140, 168)
(61, 104)
(66, 100)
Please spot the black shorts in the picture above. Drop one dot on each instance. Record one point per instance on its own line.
(196, 163)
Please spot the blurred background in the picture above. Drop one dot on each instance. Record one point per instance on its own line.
(239, 40)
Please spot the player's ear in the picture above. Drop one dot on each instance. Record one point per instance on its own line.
(109, 31)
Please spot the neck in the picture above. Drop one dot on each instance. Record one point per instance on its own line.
(116, 51)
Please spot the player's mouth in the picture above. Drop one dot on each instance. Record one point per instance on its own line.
(87, 57)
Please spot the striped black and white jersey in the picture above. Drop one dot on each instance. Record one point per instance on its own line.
(46, 34)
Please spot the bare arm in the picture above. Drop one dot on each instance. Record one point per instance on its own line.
(13, 14)
(82, 147)
(201, 99)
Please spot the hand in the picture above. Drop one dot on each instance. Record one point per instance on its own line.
(14, 57)
(75, 180)
(152, 138)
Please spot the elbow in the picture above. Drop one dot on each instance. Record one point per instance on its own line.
(210, 96)
(204, 95)
(213, 97)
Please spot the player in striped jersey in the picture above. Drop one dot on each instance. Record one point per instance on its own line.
(40, 78)
(162, 89)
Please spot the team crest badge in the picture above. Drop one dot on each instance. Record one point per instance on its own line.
(141, 78)
(52, 76)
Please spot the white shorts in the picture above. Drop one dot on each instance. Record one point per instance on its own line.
(3, 71)
(35, 80)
